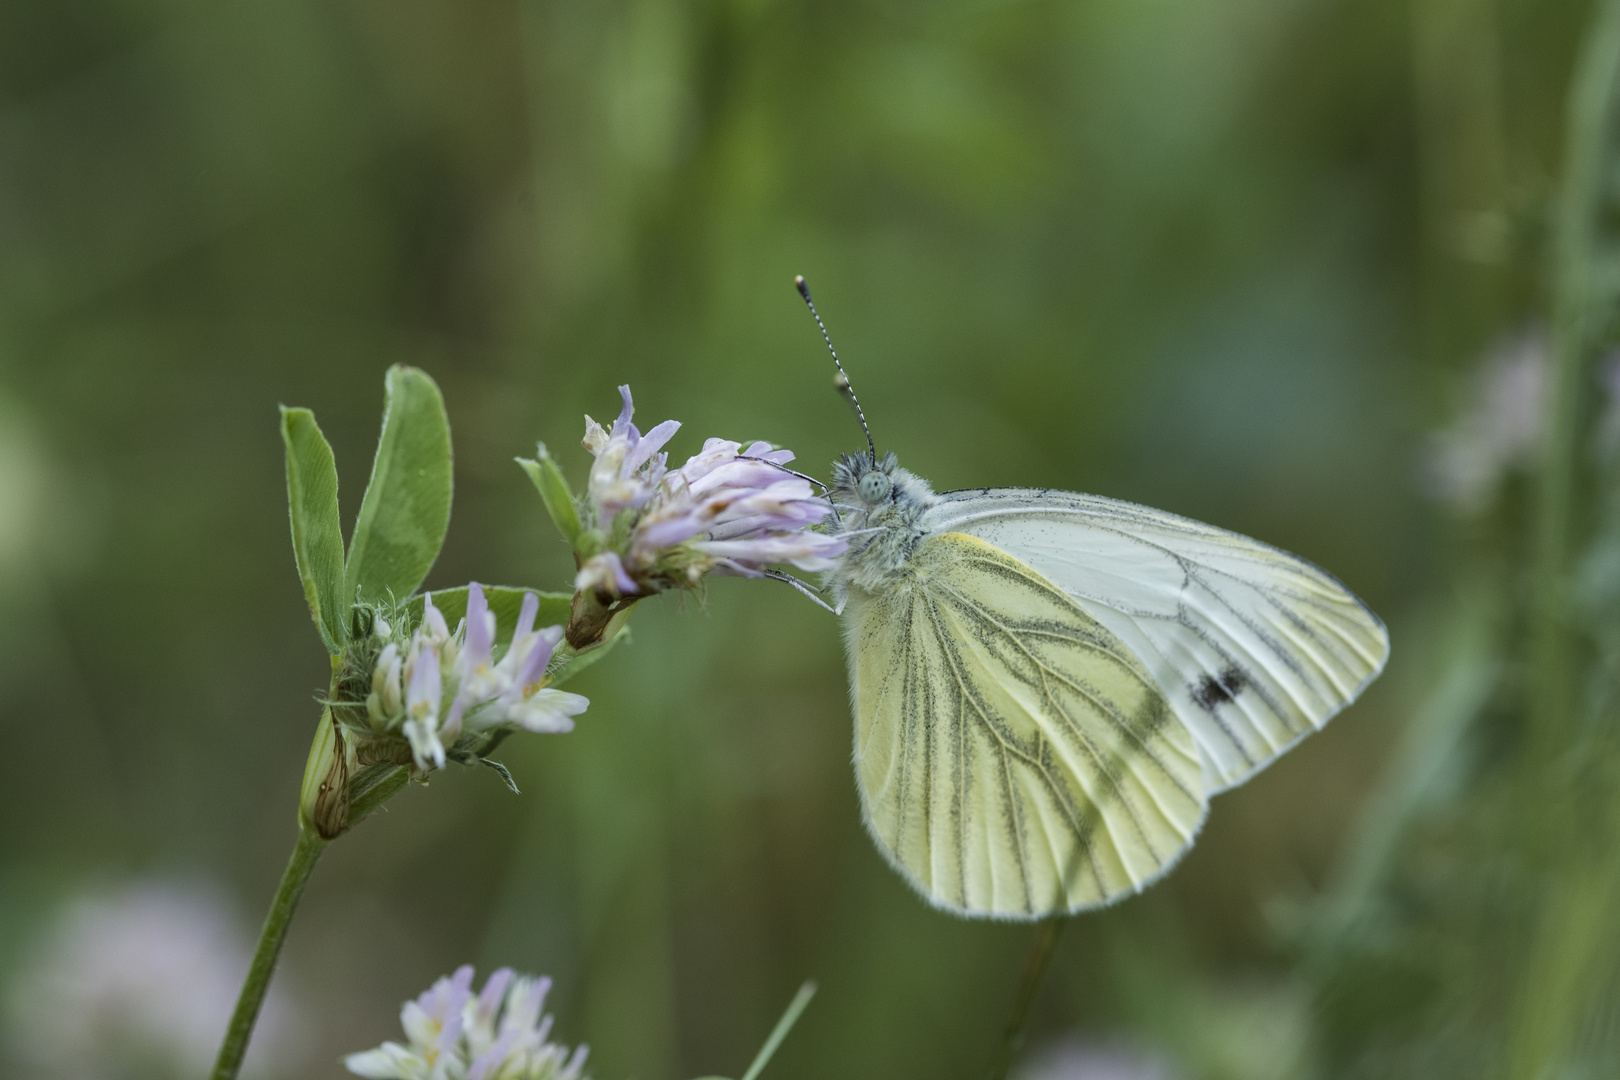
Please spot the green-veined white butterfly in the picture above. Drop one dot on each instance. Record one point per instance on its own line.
(1048, 687)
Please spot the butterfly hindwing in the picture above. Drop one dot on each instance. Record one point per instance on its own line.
(1253, 647)
(1014, 757)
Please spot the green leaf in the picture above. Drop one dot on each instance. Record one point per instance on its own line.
(406, 509)
(503, 601)
(317, 535)
(555, 493)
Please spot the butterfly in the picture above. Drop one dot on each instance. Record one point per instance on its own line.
(1048, 687)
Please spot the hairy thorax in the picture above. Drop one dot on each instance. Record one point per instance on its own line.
(880, 513)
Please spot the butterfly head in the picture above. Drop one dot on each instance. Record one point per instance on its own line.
(878, 490)
(881, 508)
(864, 484)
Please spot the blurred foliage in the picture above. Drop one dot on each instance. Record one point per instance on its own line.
(1228, 257)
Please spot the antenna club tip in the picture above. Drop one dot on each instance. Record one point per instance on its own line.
(804, 289)
(841, 382)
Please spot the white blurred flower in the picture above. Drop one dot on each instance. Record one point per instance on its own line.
(143, 977)
(1076, 1058)
(501, 1034)
(1498, 431)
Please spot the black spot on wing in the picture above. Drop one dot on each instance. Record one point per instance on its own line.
(1212, 691)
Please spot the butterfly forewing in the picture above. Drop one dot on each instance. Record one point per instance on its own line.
(1253, 647)
(1015, 758)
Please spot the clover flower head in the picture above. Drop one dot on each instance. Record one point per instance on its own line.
(444, 691)
(728, 509)
(501, 1033)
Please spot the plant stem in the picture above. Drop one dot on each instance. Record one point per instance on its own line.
(783, 1026)
(293, 879)
(1040, 952)
(1567, 954)
(1579, 305)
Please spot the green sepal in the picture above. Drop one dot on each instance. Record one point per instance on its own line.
(317, 534)
(323, 798)
(555, 493)
(567, 663)
(406, 509)
(372, 786)
(505, 774)
(503, 601)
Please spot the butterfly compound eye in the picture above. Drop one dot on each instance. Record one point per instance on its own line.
(874, 486)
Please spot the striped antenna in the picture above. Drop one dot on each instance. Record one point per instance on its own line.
(841, 380)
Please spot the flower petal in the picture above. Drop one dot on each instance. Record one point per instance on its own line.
(426, 689)
(526, 616)
(548, 711)
(671, 531)
(492, 1062)
(622, 426)
(595, 436)
(576, 1064)
(390, 1061)
(806, 550)
(605, 573)
(539, 655)
(489, 999)
(426, 749)
(524, 1003)
(433, 619)
(650, 444)
(480, 629)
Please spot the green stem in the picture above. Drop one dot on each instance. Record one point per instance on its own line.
(1582, 201)
(783, 1026)
(293, 880)
(1567, 954)
(1040, 953)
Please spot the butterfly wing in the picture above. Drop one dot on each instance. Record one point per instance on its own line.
(1254, 647)
(1014, 758)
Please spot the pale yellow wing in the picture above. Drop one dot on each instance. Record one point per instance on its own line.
(1014, 758)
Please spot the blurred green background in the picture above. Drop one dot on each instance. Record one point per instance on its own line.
(1233, 258)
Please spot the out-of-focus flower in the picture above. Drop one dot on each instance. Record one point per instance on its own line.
(442, 692)
(499, 1034)
(1500, 429)
(141, 978)
(728, 509)
(1074, 1058)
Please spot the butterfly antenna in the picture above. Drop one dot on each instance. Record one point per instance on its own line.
(841, 380)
